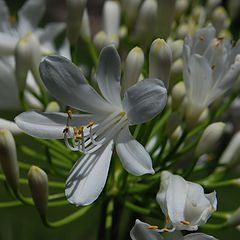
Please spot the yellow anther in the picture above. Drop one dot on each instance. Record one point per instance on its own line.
(215, 43)
(75, 131)
(220, 38)
(167, 219)
(165, 230)
(185, 222)
(66, 129)
(213, 66)
(80, 130)
(12, 19)
(202, 38)
(78, 136)
(90, 124)
(70, 114)
(153, 227)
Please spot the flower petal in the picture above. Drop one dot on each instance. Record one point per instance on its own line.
(132, 154)
(4, 17)
(67, 84)
(108, 75)
(7, 44)
(141, 231)
(30, 14)
(88, 176)
(49, 125)
(198, 236)
(144, 100)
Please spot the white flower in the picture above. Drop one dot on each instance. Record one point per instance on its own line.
(184, 203)
(105, 125)
(211, 66)
(144, 231)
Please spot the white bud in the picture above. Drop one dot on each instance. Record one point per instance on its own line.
(176, 47)
(123, 31)
(176, 135)
(165, 14)
(22, 63)
(176, 71)
(204, 115)
(130, 8)
(211, 5)
(181, 7)
(210, 138)
(132, 68)
(8, 158)
(111, 17)
(38, 183)
(182, 30)
(85, 31)
(9, 125)
(52, 107)
(99, 40)
(160, 61)
(232, 151)
(178, 94)
(75, 9)
(173, 122)
(192, 114)
(146, 17)
(112, 39)
(234, 219)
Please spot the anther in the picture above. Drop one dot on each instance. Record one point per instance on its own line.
(89, 125)
(75, 131)
(66, 129)
(165, 230)
(80, 130)
(202, 38)
(167, 219)
(220, 38)
(213, 66)
(185, 222)
(153, 227)
(78, 136)
(70, 114)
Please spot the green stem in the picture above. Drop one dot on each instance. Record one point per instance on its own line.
(23, 101)
(189, 170)
(10, 204)
(91, 51)
(227, 183)
(73, 54)
(136, 208)
(214, 226)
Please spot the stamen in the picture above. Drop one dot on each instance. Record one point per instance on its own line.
(70, 114)
(213, 66)
(153, 227)
(90, 124)
(185, 222)
(80, 130)
(202, 38)
(75, 131)
(167, 219)
(66, 129)
(166, 230)
(220, 38)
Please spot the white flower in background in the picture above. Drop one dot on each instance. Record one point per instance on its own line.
(106, 124)
(144, 231)
(211, 65)
(184, 203)
(41, 42)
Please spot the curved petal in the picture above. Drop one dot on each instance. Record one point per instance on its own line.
(144, 100)
(49, 125)
(66, 83)
(88, 176)
(132, 154)
(108, 75)
(198, 236)
(4, 17)
(11, 126)
(141, 231)
(7, 44)
(30, 15)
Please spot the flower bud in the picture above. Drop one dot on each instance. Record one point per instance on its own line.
(204, 115)
(176, 47)
(233, 7)
(85, 31)
(99, 40)
(181, 7)
(130, 8)
(122, 33)
(132, 68)
(232, 151)
(111, 17)
(176, 135)
(178, 94)
(10, 126)
(146, 17)
(38, 183)
(211, 5)
(160, 61)
(52, 107)
(210, 138)
(8, 158)
(22, 63)
(165, 15)
(112, 39)
(75, 9)
(176, 71)
(234, 219)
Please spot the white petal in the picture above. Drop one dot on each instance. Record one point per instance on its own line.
(140, 231)
(49, 125)
(11, 126)
(144, 100)
(30, 14)
(108, 74)
(198, 236)
(4, 17)
(7, 44)
(67, 84)
(88, 176)
(132, 154)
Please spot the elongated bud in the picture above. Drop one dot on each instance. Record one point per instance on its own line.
(132, 68)
(85, 30)
(232, 151)
(9, 125)
(176, 47)
(38, 183)
(176, 71)
(99, 40)
(178, 94)
(210, 138)
(111, 17)
(211, 5)
(75, 9)
(130, 8)
(180, 8)
(165, 14)
(176, 135)
(8, 158)
(234, 219)
(52, 107)
(123, 31)
(22, 63)
(204, 115)
(160, 61)
(147, 16)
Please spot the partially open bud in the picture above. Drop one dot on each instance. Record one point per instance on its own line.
(132, 68)
(165, 15)
(75, 9)
(52, 107)
(22, 63)
(234, 219)
(160, 61)
(38, 183)
(232, 151)
(178, 94)
(8, 158)
(210, 138)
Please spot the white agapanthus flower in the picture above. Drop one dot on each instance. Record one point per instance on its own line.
(211, 65)
(41, 41)
(105, 125)
(144, 231)
(184, 203)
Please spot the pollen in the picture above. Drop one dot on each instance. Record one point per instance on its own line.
(70, 114)
(167, 219)
(213, 66)
(153, 227)
(185, 222)
(202, 38)
(80, 130)
(12, 19)
(78, 136)
(89, 125)
(66, 129)
(75, 131)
